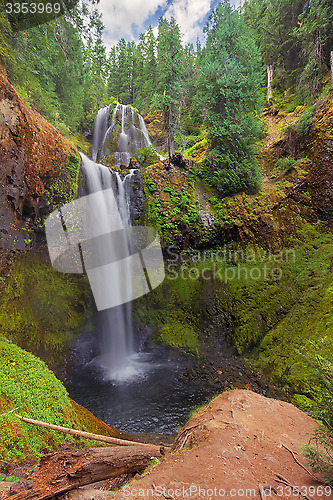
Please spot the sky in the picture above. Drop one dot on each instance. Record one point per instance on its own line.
(128, 18)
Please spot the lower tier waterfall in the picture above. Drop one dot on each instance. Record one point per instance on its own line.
(117, 343)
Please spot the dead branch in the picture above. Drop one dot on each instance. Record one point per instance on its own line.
(86, 435)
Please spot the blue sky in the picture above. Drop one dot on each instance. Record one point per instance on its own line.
(128, 18)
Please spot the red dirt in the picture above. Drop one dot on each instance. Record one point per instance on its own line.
(239, 442)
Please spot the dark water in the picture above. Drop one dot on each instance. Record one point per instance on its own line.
(154, 399)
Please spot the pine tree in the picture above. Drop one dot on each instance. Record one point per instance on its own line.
(274, 23)
(316, 38)
(150, 66)
(230, 79)
(170, 71)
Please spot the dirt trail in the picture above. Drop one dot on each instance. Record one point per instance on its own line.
(241, 444)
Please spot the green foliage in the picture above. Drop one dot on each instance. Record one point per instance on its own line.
(9, 479)
(146, 156)
(319, 362)
(27, 383)
(304, 123)
(315, 35)
(170, 68)
(286, 164)
(231, 76)
(151, 185)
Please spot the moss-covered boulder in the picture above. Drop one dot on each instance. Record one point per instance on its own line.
(29, 388)
(173, 207)
(264, 303)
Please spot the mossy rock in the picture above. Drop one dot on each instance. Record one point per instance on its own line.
(43, 310)
(29, 388)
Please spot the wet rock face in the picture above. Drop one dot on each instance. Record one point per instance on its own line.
(126, 133)
(37, 168)
(320, 178)
(138, 198)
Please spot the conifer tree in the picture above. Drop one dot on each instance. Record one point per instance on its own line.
(230, 79)
(170, 70)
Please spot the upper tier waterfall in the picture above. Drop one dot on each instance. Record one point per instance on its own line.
(118, 135)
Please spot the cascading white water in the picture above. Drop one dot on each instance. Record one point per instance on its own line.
(119, 140)
(118, 357)
(117, 338)
(100, 129)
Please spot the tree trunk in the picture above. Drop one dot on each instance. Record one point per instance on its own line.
(269, 81)
(332, 67)
(86, 435)
(171, 139)
(62, 472)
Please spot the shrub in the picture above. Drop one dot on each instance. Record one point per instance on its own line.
(319, 451)
(146, 156)
(303, 125)
(286, 164)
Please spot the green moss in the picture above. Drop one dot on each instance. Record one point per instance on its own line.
(63, 188)
(198, 145)
(269, 302)
(29, 388)
(179, 335)
(311, 318)
(41, 309)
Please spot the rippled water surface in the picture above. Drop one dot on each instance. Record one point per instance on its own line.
(153, 399)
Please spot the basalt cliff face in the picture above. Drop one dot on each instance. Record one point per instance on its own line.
(39, 170)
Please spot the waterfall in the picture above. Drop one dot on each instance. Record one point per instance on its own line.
(116, 326)
(100, 128)
(117, 138)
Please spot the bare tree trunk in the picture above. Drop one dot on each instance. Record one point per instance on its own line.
(86, 435)
(269, 81)
(62, 472)
(171, 139)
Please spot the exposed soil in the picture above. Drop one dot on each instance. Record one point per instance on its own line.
(241, 441)
(241, 445)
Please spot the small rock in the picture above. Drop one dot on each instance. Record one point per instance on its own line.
(19, 486)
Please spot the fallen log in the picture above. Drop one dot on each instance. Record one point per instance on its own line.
(65, 471)
(86, 435)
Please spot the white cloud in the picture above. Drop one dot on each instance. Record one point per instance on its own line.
(188, 15)
(119, 17)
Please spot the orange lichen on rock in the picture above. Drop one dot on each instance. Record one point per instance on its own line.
(34, 155)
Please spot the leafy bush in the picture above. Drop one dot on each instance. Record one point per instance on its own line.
(304, 123)
(286, 164)
(151, 185)
(146, 156)
(230, 174)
